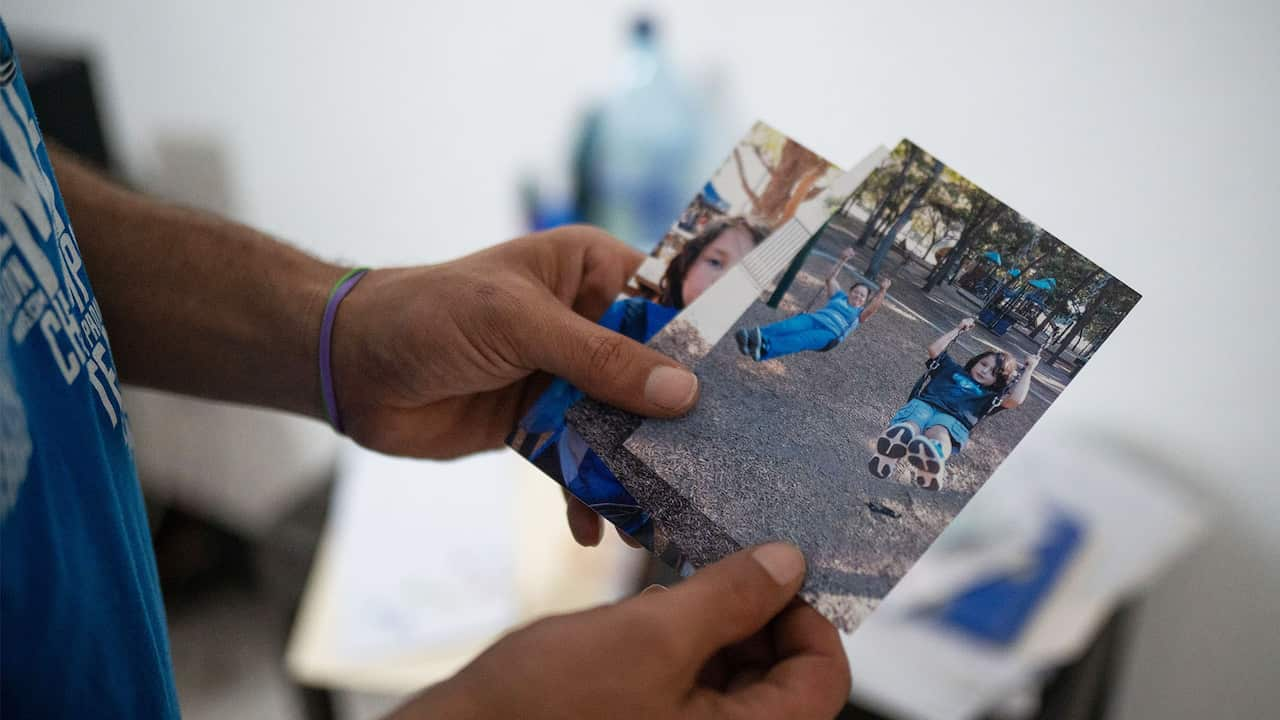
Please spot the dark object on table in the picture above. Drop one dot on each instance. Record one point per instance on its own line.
(61, 88)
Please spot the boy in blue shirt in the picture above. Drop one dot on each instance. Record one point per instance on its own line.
(936, 424)
(816, 331)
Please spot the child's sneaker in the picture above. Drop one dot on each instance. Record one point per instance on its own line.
(750, 342)
(891, 446)
(926, 460)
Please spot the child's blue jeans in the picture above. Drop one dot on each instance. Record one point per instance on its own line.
(795, 334)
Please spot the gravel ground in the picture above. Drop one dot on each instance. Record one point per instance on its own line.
(779, 449)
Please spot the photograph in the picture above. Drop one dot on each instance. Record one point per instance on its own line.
(859, 400)
(769, 187)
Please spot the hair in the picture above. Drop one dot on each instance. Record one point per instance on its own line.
(1006, 367)
(870, 290)
(673, 281)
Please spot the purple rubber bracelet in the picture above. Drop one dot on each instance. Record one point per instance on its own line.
(340, 290)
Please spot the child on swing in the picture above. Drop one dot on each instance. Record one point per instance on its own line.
(935, 424)
(820, 330)
(542, 435)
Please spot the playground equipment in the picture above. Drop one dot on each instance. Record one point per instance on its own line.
(981, 280)
(1006, 306)
(707, 206)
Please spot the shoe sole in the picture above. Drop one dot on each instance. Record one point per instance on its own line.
(741, 337)
(890, 448)
(923, 458)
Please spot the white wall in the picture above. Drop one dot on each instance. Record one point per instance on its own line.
(394, 133)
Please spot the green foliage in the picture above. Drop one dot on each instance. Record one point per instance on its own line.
(1112, 305)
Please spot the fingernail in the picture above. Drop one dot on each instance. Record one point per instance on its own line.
(782, 561)
(670, 388)
(654, 588)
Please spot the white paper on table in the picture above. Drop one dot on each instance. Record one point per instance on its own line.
(1137, 517)
(423, 552)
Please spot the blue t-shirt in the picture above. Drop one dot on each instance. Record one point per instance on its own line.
(577, 467)
(638, 319)
(838, 315)
(80, 609)
(955, 392)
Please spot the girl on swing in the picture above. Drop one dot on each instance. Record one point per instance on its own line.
(946, 405)
(816, 331)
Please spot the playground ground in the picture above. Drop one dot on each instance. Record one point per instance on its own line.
(779, 449)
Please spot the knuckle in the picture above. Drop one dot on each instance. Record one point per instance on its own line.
(604, 352)
(494, 304)
(589, 234)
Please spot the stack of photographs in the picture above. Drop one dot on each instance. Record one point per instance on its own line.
(870, 345)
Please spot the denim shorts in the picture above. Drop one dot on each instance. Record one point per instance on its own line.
(924, 416)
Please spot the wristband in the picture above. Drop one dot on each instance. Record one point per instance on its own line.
(339, 291)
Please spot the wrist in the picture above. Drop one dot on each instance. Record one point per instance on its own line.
(447, 699)
(312, 297)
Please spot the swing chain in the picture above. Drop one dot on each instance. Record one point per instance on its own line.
(999, 399)
(936, 361)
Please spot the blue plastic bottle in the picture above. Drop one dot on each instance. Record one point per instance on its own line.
(637, 157)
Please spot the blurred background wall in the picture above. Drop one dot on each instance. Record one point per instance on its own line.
(390, 132)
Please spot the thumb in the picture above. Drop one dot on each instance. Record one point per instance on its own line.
(611, 367)
(730, 600)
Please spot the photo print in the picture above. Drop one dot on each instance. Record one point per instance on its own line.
(865, 382)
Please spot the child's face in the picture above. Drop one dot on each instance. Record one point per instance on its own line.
(718, 256)
(858, 296)
(984, 371)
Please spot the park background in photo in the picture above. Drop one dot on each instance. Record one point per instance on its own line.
(779, 449)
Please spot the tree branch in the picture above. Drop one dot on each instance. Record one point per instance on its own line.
(760, 156)
(742, 178)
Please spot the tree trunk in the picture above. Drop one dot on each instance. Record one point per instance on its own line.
(1080, 323)
(1062, 304)
(796, 166)
(868, 229)
(982, 213)
(886, 242)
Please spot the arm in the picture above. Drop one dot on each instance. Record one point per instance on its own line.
(1018, 394)
(876, 301)
(833, 286)
(937, 347)
(431, 361)
(197, 304)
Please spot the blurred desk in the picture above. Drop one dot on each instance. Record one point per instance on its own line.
(552, 574)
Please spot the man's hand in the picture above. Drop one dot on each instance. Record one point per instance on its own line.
(440, 361)
(730, 642)
(885, 283)
(965, 325)
(1031, 360)
(847, 254)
